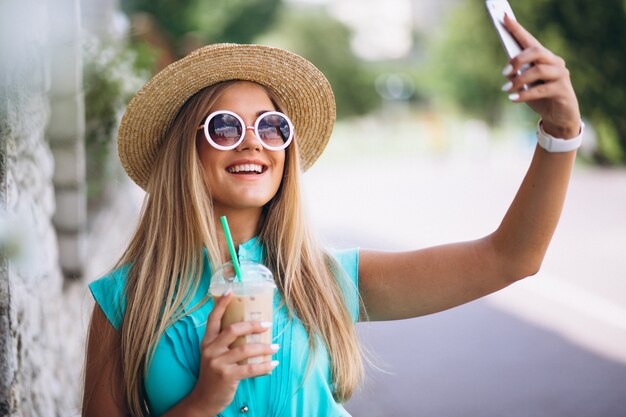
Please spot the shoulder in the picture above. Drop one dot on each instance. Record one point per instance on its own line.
(108, 292)
(346, 271)
(348, 260)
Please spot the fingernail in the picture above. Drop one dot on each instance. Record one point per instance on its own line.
(508, 70)
(507, 86)
(275, 347)
(513, 96)
(266, 324)
(274, 364)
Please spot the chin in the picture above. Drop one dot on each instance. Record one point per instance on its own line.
(246, 203)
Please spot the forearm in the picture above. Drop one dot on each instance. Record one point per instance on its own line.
(523, 237)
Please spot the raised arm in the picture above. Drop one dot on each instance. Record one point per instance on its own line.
(409, 284)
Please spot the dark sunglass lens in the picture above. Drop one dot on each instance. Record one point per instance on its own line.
(225, 129)
(274, 130)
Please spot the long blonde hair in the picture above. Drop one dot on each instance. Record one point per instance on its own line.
(165, 258)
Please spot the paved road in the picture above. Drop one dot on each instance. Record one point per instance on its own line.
(480, 361)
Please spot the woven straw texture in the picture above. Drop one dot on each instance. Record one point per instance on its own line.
(303, 89)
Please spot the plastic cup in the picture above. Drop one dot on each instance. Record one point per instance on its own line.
(253, 300)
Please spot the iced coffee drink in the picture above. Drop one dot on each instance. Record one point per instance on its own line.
(253, 300)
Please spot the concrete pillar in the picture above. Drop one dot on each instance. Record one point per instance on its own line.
(66, 134)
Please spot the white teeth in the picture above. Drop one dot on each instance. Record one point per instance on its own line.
(245, 168)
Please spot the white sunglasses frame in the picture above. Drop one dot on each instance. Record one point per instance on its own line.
(255, 128)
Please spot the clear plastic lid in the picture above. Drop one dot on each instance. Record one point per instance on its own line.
(255, 277)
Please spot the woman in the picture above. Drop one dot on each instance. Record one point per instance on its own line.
(209, 136)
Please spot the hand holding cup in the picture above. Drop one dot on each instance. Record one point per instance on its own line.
(223, 365)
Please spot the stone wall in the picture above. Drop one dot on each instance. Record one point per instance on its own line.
(41, 319)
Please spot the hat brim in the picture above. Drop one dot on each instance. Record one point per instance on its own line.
(299, 85)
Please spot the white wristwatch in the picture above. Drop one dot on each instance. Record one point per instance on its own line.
(552, 144)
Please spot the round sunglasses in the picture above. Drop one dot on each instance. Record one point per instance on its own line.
(226, 130)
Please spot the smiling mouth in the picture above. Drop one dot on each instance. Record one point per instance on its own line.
(247, 169)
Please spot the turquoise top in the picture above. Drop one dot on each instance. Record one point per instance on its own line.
(286, 392)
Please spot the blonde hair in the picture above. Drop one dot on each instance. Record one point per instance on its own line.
(165, 258)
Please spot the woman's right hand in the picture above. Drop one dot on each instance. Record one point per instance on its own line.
(220, 372)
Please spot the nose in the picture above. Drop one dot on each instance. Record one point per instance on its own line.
(250, 140)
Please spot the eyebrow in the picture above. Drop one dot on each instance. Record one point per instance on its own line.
(263, 111)
(257, 114)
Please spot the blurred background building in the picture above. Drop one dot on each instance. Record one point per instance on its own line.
(429, 70)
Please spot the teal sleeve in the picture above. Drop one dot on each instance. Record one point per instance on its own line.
(348, 260)
(108, 292)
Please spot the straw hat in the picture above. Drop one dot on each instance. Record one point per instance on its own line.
(301, 87)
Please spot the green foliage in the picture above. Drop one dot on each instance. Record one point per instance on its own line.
(610, 148)
(463, 66)
(592, 39)
(110, 78)
(208, 21)
(325, 42)
(145, 56)
(309, 32)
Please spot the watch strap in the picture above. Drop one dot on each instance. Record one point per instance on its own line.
(552, 144)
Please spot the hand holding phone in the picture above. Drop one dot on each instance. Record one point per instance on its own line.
(555, 101)
(497, 9)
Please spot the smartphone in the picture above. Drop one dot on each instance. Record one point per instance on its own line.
(497, 9)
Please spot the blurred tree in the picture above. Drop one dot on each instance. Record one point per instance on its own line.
(187, 24)
(463, 64)
(176, 28)
(590, 36)
(313, 34)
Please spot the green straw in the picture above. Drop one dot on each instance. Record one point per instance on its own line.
(231, 247)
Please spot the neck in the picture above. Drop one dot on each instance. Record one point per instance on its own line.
(243, 225)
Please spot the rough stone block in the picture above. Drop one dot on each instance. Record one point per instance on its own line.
(26, 113)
